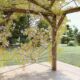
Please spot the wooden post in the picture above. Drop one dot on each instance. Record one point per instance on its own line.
(54, 44)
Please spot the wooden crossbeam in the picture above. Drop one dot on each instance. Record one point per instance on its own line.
(71, 10)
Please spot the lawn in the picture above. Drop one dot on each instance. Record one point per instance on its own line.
(10, 57)
(69, 54)
(16, 56)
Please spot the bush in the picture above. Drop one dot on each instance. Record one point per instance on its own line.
(65, 39)
(78, 38)
(71, 43)
(43, 24)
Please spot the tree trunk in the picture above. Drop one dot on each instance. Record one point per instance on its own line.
(54, 45)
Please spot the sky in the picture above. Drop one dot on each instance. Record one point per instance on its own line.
(74, 18)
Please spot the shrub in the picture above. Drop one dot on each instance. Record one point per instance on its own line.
(43, 24)
(71, 43)
(78, 38)
(65, 39)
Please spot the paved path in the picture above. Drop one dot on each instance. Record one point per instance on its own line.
(40, 72)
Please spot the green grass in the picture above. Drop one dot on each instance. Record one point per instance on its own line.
(11, 57)
(70, 55)
(16, 56)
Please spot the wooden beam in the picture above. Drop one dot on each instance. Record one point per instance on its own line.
(46, 17)
(54, 45)
(49, 18)
(38, 4)
(52, 22)
(42, 6)
(60, 21)
(19, 10)
(71, 10)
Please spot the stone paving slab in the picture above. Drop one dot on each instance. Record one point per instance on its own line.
(40, 71)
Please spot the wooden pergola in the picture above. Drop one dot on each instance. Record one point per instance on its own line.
(48, 14)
